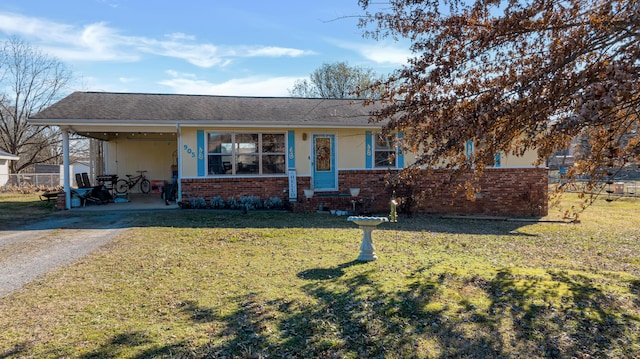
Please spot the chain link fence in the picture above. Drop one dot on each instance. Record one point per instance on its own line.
(30, 180)
(625, 184)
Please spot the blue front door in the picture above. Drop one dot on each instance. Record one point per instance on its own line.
(323, 163)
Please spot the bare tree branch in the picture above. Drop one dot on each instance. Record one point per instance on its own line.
(29, 82)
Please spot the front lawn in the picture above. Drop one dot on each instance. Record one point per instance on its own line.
(17, 209)
(196, 283)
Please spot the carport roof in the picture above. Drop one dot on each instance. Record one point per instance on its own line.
(107, 108)
(8, 156)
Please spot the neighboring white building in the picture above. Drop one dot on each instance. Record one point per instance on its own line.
(76, 168)
(4, 166)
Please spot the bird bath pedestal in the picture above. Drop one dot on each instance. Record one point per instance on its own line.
(367, 224)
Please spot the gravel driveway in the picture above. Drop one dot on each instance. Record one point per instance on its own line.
(60, 239)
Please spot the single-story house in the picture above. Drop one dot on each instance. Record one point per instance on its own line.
(230, 146)
(4, 166)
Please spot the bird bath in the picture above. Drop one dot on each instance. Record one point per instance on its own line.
(367, 224)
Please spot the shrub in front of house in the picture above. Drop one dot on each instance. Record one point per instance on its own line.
(217, 202)
(244, 203)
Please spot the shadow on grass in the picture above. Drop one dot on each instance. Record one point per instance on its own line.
(122, 342)
(113, 347)
(327, 273)
(355, 314)
(634, 287)
(572, 317)
(260, 219)
(16, 351)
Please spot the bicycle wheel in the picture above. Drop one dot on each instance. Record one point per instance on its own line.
(145, 186)
(122, 186)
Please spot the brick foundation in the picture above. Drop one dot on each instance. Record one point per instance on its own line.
(504, 191)
(61, 201)
(263, 187)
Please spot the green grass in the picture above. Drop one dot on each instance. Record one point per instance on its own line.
(274, 284)
(17, 209)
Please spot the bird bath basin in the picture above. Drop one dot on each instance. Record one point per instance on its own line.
(367, 224)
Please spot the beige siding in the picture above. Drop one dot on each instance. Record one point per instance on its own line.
(126, 156)
(525, 161)
(188, 151)
(303, 151)
(351, 149)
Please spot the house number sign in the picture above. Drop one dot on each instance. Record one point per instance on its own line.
(189, 151)
(192, 153)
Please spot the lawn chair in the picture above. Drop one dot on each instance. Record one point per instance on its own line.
(89, 193)
(79, 181)
(85, 179)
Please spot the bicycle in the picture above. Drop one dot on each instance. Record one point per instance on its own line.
(124, 185)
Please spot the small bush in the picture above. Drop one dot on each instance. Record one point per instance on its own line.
(233, 203)
(250, 202)
(198, 203)
(217, 202)
(274, 203)
(245, 203)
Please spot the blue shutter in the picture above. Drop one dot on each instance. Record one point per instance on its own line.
(469, 149)
(200, 140)
(368, 150)
(400, 152)
(291, 149)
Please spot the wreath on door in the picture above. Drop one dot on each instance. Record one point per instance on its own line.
(323, 158)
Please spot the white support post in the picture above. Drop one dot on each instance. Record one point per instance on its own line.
(65, 165)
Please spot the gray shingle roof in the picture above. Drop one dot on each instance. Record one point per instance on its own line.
(143, 108)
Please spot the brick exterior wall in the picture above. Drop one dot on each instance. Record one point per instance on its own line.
(263, 187)
(504, 192)
(61, 201)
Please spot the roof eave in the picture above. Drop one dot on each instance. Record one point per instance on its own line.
(199, 123)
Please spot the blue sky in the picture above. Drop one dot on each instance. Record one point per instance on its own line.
(244, 48)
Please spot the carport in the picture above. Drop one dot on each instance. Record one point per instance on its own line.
(123, 149)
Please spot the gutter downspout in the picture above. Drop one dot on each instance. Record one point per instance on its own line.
(65, 165)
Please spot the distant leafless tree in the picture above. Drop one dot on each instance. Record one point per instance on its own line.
(29, 82)
(337, 80)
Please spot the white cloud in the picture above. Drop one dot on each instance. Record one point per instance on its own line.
(386, 55)
(126, 80)
(271, 51)
(93, 42)
(16, 24)
(113, 4)
(249, 86)
(180, 36)
(90, 83)
(201, 55)
(380, 52)
(99, 42)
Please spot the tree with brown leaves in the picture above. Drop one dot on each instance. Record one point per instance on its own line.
(514, 76)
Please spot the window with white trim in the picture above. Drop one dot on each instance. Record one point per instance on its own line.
(385, 151)
(231, 153)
